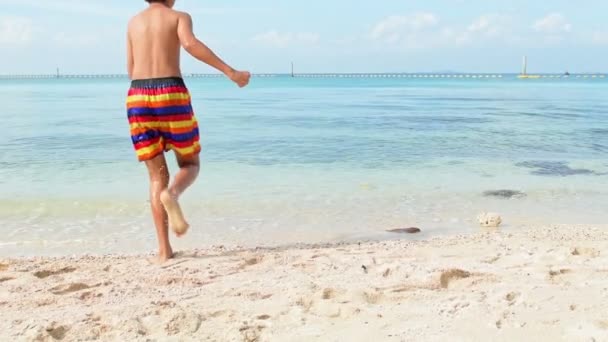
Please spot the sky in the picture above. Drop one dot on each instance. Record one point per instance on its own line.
(88, 36)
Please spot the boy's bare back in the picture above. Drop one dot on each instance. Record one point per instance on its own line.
(155, 42)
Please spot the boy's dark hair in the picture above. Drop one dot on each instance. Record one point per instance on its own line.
(151, 1)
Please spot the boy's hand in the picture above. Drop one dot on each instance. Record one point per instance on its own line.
(241, 78)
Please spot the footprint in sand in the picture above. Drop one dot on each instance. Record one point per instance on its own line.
(412, 287)
(558, 272)
(328, 294)
(373, 296)
(585, 252)
(177, 222)
(491, 260)
(221, 313)
(185, 321)
(90, 295)
(3, 279)
(57, 332)
(69, 288)
(250, 333)
(454, 274)
(512, 297)
(305, 303)
(3, 267)
(252, 261)
(47, 273)
(560, 275)
(457, 307)
(327, 307)
(132, 326)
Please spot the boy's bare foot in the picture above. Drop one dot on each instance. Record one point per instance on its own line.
(161, 258)
(177, 222)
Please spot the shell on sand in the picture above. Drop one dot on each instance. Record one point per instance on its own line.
(489, 220)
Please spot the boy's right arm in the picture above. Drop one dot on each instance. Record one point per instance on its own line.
(201, 52)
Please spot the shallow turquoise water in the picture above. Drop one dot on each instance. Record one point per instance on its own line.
(289, 160)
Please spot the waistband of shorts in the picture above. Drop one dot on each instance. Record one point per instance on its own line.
(158, 82)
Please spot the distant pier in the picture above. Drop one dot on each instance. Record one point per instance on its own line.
(55, 76)
(323, 75)
(446, 76)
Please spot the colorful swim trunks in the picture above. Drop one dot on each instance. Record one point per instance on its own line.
(161, 118)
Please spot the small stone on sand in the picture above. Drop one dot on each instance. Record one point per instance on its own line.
(507, 194)
(412, 230)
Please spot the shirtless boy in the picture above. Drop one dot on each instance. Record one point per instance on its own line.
(160, 113)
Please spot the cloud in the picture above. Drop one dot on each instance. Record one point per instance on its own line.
(496, 27)
(490, 25)
(423, 30)
(69, 6)
(75, 39)
(280, 40)
(194, 9)
(452, 36)
(15, 30)
(553, 23)
(398, 27)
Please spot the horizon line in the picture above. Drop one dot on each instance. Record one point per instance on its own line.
(317, 73)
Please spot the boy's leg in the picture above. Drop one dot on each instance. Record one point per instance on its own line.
(188, 171)
(159, 181)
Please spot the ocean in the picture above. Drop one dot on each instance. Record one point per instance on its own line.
(304, 160)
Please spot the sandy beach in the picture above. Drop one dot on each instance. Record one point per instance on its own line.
(545, 283)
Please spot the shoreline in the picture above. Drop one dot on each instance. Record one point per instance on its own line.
(537, 283)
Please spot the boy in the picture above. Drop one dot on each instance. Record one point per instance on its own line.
(159, 108)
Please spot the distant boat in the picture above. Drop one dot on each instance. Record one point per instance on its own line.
(524, 72)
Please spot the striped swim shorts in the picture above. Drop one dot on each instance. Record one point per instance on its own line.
(161, 118)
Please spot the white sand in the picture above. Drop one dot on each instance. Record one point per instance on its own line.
(546, 284)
